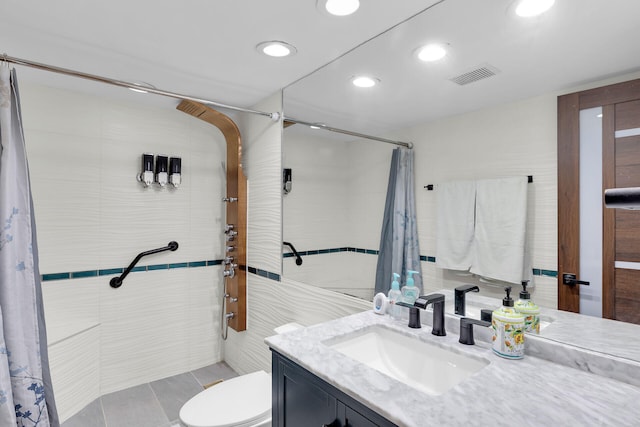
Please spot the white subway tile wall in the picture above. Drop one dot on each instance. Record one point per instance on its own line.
(92, 215)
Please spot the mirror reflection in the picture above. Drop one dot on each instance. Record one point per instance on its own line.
(487, 109)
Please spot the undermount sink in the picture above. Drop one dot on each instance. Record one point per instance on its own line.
(473, 311)
(426, 367)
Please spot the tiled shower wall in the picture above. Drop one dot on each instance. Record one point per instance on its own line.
(92, 215)
(338, 187)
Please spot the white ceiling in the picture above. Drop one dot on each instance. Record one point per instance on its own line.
(206, 48)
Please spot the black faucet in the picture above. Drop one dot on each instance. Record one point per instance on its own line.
(438, 311)
(459, 301)
(466, 329)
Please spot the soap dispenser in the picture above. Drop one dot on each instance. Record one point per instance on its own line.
(529, 310)
(409, 292)
(394, 296)
(508, 329)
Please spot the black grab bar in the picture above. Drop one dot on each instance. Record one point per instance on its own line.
(298, 257)
(116, 282)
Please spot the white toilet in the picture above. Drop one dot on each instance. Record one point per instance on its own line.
(243, 401)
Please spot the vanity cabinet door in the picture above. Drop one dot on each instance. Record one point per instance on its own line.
(355, 419)
(301, 399)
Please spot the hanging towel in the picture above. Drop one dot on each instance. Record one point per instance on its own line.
(455, 224)
(500, 235)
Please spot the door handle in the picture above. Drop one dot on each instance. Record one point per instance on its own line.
(571, 279)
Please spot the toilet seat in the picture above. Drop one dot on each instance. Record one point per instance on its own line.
(242, 401)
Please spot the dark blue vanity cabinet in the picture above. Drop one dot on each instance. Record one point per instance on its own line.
(301, 399)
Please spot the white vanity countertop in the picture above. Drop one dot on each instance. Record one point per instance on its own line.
(527, 392)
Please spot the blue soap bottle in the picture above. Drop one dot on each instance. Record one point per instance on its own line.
(409, 292)
(394, 296)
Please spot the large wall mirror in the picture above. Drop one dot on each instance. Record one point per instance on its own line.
(496, 62)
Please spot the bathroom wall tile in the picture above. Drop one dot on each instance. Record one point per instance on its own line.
(64, 179)
(90, 416)
(246, 352)
(263, 165)
(202, 318)
(75, 372)
(92, 214)
(71, 306)
(146, 318)
(370, 164)
(58, 111)
(315, 213)
(175, 391)
(136, 406)
(160, 129)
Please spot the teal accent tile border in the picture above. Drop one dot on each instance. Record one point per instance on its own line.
(110, 271)
(55, 276)
(263, 273)
(179, 265)
(80, 274)
(426, 258)
(116, 271)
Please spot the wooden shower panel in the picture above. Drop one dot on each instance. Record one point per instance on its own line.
(236, 212)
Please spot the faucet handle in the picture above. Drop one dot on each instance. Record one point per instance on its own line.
(467, 288)
(424, 300)
(466, 329)
(414, 315)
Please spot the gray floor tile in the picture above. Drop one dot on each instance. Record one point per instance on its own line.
(212, 373)
(133, 407)
(173, 392)
(90, 416)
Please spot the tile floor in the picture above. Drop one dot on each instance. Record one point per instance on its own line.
(155, 404)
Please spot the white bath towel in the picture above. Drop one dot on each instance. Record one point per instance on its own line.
(500, 232)
(455, 224)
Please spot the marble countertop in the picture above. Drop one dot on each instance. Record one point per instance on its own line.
(614, 338)
(533, 391)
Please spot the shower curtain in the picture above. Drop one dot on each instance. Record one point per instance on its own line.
(399, 247)
(26, 395)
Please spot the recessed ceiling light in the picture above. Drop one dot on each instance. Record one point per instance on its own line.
(339, 7)
(364, 81)
(432, 52)
(276, 49)
(529, 8)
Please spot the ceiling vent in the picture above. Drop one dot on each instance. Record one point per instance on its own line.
(479, 73)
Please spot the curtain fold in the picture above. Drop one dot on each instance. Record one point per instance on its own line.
(399, 249)
(26, 394)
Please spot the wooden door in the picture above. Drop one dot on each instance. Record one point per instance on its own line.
(621, 168)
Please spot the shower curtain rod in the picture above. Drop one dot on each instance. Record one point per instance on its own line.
(347, 132)
(273, 116)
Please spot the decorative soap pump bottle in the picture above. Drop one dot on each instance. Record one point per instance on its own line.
(508, 329)
(394, 296)
(529, 310)
(409, 292)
